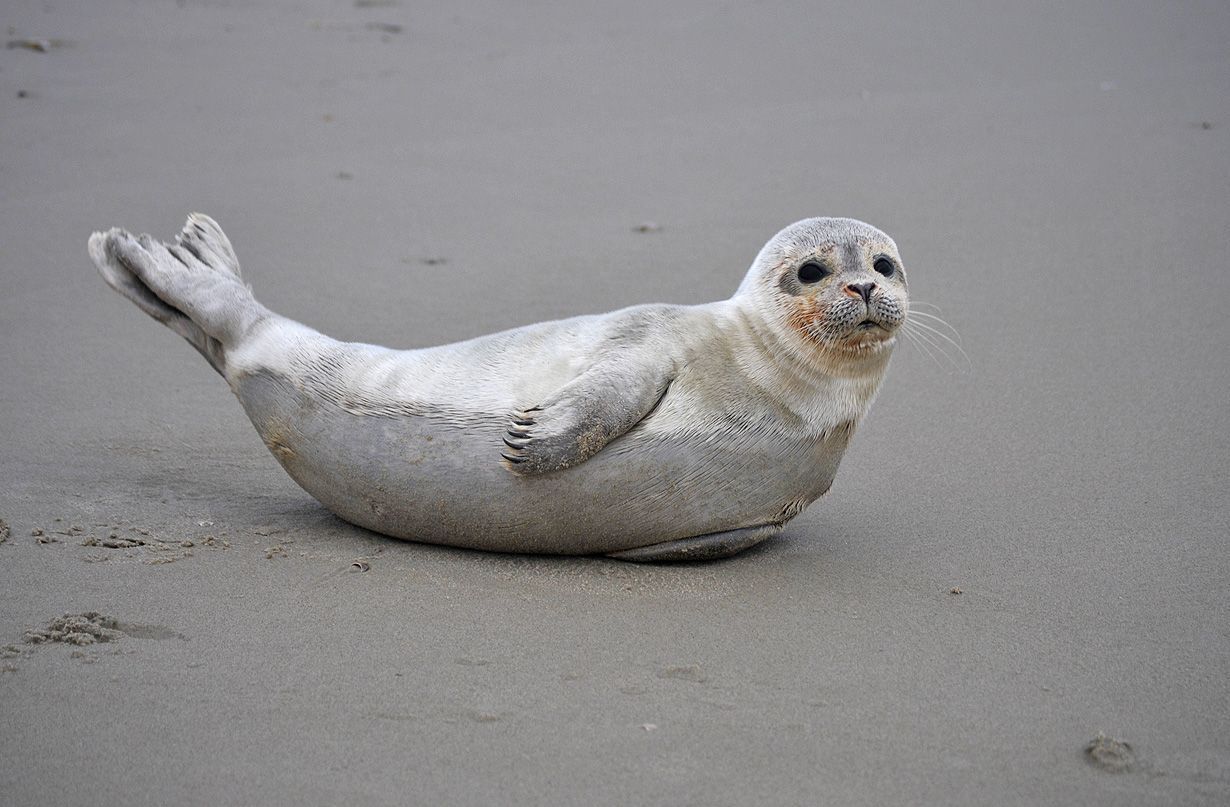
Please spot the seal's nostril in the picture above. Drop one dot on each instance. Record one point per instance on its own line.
(861, 290)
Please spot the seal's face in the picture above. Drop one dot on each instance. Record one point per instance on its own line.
(836, 284)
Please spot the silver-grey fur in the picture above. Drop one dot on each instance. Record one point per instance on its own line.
(659, 432)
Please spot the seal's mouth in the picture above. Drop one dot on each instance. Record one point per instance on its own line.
(868, 335)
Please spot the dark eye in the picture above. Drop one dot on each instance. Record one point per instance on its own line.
(884, 266)
(812, 273)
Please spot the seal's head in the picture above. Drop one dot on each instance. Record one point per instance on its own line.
(834, 289)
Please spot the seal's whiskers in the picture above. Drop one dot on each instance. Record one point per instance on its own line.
(938, 334)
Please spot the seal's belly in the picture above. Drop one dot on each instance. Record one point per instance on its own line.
(440, 480)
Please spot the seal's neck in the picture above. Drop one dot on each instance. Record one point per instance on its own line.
(824, 388)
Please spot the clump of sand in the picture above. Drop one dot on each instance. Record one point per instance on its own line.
(1109, 754)
(78, 629)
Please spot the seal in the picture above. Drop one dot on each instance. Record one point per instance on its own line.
(657, 432)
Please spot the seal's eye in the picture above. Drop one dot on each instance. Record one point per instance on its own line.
(884, 266)
(812, 273)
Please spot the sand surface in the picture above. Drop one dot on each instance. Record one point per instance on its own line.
(1057, 177)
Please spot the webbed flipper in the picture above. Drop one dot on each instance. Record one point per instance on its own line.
(581, 417)
(192, 285)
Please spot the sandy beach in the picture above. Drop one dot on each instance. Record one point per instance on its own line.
(1025, 548)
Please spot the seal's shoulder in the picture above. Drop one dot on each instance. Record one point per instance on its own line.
(648, 322)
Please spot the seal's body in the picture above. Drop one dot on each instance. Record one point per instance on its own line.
(652, 433)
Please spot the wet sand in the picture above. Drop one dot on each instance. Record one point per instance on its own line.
(1057, 180)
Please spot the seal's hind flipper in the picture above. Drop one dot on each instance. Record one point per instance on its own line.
(205, 240)
(192, 286)
(712, 546)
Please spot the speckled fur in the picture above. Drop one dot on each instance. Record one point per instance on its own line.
(659, 431)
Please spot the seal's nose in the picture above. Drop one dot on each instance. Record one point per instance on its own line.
(863, 290)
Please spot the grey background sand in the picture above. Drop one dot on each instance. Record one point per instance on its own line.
(1056, 175)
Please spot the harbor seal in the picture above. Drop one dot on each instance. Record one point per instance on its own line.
(658, 432)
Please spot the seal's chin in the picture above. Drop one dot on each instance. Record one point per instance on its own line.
(869, 334)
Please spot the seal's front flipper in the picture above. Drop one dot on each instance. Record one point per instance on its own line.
(582, 416)
(701, 547)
